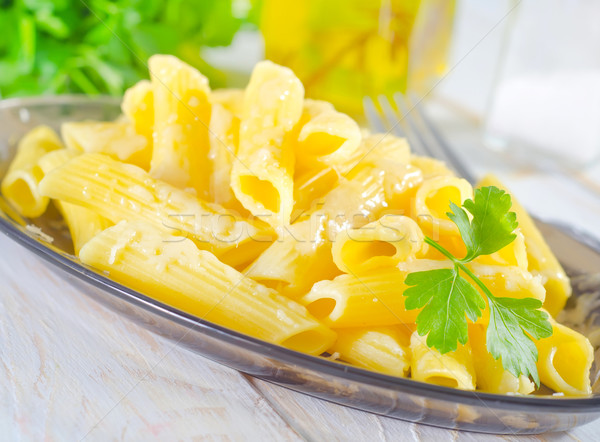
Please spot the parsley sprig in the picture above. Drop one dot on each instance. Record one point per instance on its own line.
(448, 298)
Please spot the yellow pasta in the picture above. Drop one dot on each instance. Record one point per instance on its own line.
(119, 191)
(117, 139)
(191, 186)
(223, 141)
(382, 349)
(564, 361)
(300, 257)
(262, 179)
(138, 107)
(430, 205)
(540, 258)
(383, 243)
(83, 223)
(20, 185)
(173, 270)
(491, 376)
(373, 299)
(454, 369)
(181, 120)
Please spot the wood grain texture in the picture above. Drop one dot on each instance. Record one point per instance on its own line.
(70, 369)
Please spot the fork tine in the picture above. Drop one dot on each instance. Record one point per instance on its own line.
(417, 144)
(373, 118)
(432, 138)
(391, 117)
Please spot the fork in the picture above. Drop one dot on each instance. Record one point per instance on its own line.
(408, 120)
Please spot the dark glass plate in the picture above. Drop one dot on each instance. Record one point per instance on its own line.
(362, 389)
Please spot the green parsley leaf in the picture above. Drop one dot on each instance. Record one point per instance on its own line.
(445, 297)
(492, 226)
(510, 319)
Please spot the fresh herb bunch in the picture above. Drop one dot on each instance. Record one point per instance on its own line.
(101, 46)
(448, 298)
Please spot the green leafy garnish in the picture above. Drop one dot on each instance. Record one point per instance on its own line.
(101, 46)
(447, 298)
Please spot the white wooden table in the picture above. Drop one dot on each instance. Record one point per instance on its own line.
(70, 369)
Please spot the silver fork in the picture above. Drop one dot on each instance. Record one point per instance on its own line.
(405, 118)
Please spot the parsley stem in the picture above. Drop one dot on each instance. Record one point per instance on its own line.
(461, 264)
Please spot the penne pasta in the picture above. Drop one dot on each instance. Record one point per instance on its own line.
(138, 108)
(540, 258)
(382, 349)
(454, 369)
(20, 184)
(181, 120)
(146, 258)
(83, 223)
(262, 179)
(564, 361)
(119, 191)
(300, 257)
(491, 376)
(117, 139)
(383, 243)
(373, 299)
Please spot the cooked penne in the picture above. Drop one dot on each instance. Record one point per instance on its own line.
(117, 139)
(491, 376)
(174, 271)
(231, 99)
(262, 179)
(564, 361)
(328, 138)
(430, 205)
(83, 223)
(383, 243)
(300, 257)
(373, 299)
(454, 369)
(540, 258)
(20, 184)
(382, 349)
(223, 139)
(119, 191)
(181, 120)
(138, 107)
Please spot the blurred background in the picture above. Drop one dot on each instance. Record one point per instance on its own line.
(514, 83)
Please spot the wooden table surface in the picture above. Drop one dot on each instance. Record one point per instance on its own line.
(71, 369)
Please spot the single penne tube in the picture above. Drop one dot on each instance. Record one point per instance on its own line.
(491, 375)
(223, 141)
(146, 258)
(296, 260)
(119, 191)
(371, 299)
(454, 369)
(540, 258)
(382, 243)
(430, 205)
(118, 139)
(565, 360)
(20, 184)
(138, 108)
(262, 178)
(181, 122)
(329, 137)
(373, 150)
(382, 349)
(83, 223)
(231, 99)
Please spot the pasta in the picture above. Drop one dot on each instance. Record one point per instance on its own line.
(280, 218)
(20, 185)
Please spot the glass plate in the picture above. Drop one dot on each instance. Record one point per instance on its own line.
(365, 390)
